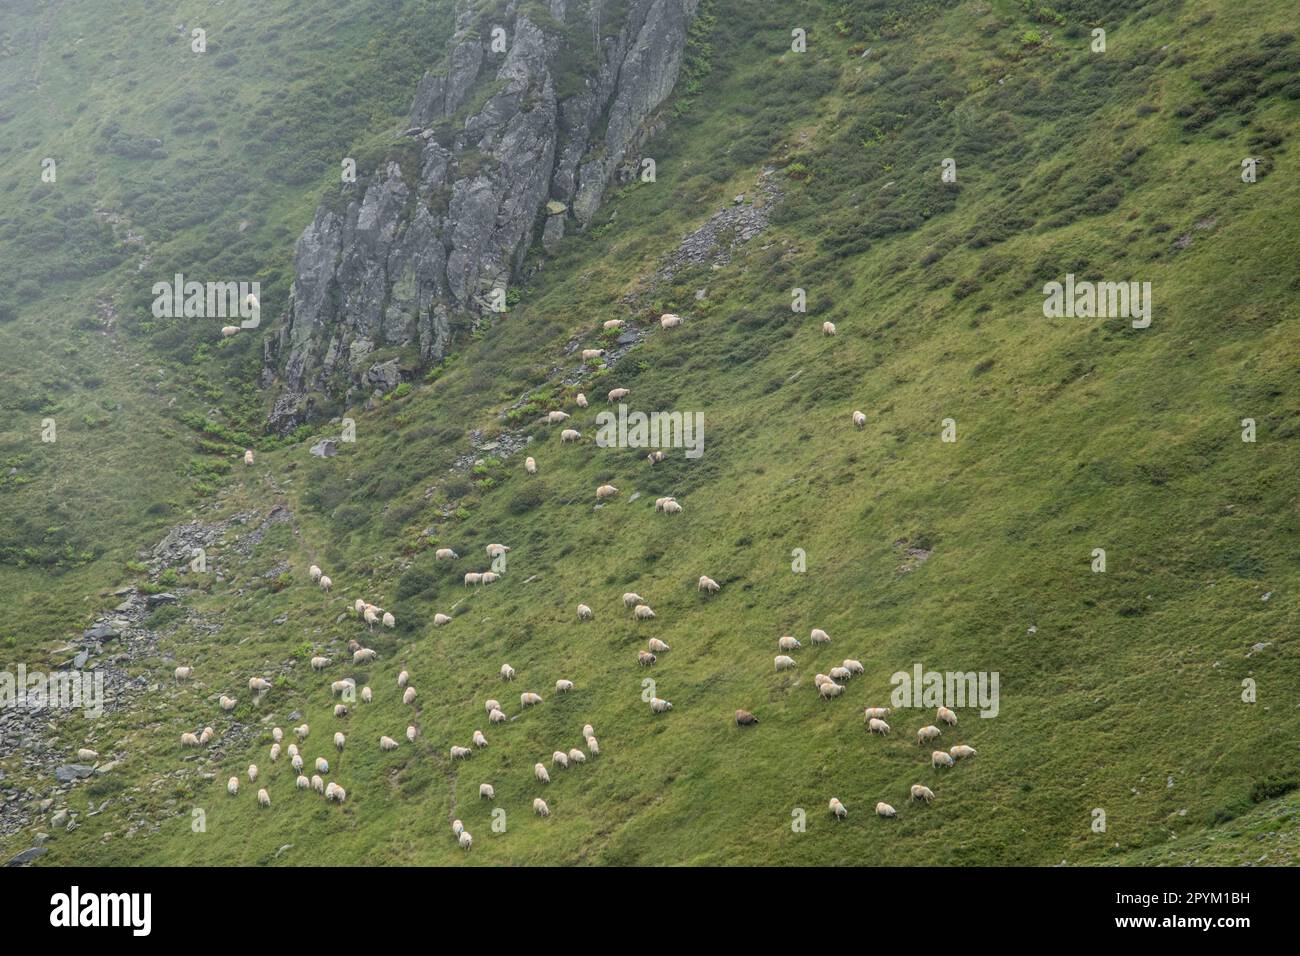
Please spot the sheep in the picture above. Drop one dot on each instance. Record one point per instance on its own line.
(570, 435)
(337, 793)
(838, 809)
(577, 756)
(228, 703)
(672, 508)
(885, 810)
(530, 465)
(853, 667)
(207, 734)
(830, 689)
(457, 828)
(588, 730)
(409, 696)
(275, 752)
(657, 645)
(961, 750)
(325, 583)
(593, 746)
(877, 726)
(473, 577)
(491, 705)
(258, 685)
(940, 759)
(539, 771)
(496, 717)
(618, 394)
(322, 765)
(228, 330)
(496, 550)
(317, 784)
(660, 502)
(490, 577)
(557, 416)
(927, 734)
(707, 583)
(507, 672)
(486, 790)
(920, 792)
(440, 620)
(818, 636)
(631, 599)
(302, 731)
(859, 419)
(947, 716)
(840, 674)
(364, 656)
(445, 554)
(744, 718)
(878, 712)
(278, 735)
(342, 686)
(85, 754)
(387, 743)
(669, 321)
(232, 786)
(655, 457)
(370, 617)
(605, 491)
(411, 733)
(403, 679)
(339, 741)
(263, 798)
(302, 783)
(788, 643)
(358, 606)
(659, 706)
(293, 750)
(465, 840)
(560, 759)
(479, 739)
(189, 740)
(590, 355)
(389, 621)
(528, 699)
(315, 573)
(563, 686)
(585, 613)
(580, 400)
(783, 662)
(183, 673)
(819, 679)
(645, 658)
(642, 612)
(539, 805)
(296, 762)
(613, 324)
(320, 663)
(828, 328)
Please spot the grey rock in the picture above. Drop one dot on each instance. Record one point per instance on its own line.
(27, 856)
(69, 772)
(325, 448)
(101, 633)
(166, 597)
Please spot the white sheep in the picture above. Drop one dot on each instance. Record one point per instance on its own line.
(387, 743)
(655, 457)
(707, 583)
(585, 613)
(322, 765)
(445, 554)
(228, 703)
(465, 840)
(277, 735)
(528, 699)
(189, 739)
(530, 465)
(560, 759)
(473, 577)
(563, 686)
(263, 798)
(496, 550)
(403, 679)
(490, 577)
(588, 730)
(390, 622)
(539, 771)
(613, 324)
(293, 750)
(228, 330)
(947, 716)
(370, 617)
(302, 783)
(258, 685)
(840, 674)
(645, 658)
(605, 491)
(657, 645)
(830, 689)
(457, 828)
(491, 705)
(642, 612)
(340, 741)
(317, 784)
(927, 734)
(358, 606)
(672, 508)
(183, 673)
(497, 717)
(207, 734)
(859, 419)
(885, 810)
(828, 328)
(479, 739)
(818, 636)
(669, 321)
(367, 695)
(920, 792)
(577, 756)
(593, 746)
(411, 733)
(364, 656)
(853, 667)
(325, 582)
(320, 663)
(507, 672)
(539, 805)
(440, 619)
(409, 696)
(788, 643)
(580, 400)
(783, 662)
(659, 706)
(275, 752)
(486, 790)
(838, 809)
(617, 394)
(315, 573)
(960, 751)
(334, 792)
(296, 762)
(878, 712)
(590, 355)
(940, 759)
(556, 416)
(819, 679)
(877, 726)
(660, 502)
(631, 599)
(232, 786)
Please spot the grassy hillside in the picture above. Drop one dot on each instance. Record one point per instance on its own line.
(1119, 690)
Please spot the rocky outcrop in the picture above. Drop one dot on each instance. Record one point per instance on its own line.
(435, 237)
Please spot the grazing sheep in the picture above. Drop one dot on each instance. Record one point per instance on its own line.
(659, 706)
(465, 840)
(593, 746)
(853, 667)
(947, 716)
(540, 806)
(707, 583)
(613, 324)
(631, 599)
(496, 550)
(859, 419)
(539, 771)
(590, 355)
(744, 718)
(927, 734)
(387, 743)
(320, 663)
(486, 790)
(411, 733)
(358, 606)
(490, 577)
(403, 679)
(585, 613)
(507, 672)
(645, 658)
(657, 645)
(577, 756)
(838, 808)
(819, 679)
(293, 750)
(340, 711)
(277, 735)
(669, 321)
(275, 752)
(342, 686)
(642, 612)
(496, 717)
(85, 754)
(322, 765)
(302, 783)
(788, 643)
(940, 759)
(479, 739)
(818, 636)
(457, 828)
(783, 662)
(184, 673)
(367, 695)
(228, 330)
(877, 726)
(473, 577)
(830, 689)
(655, 457)
(960, 751)
(409, 696)
(570, 435)
(228, 703)
(263, 798)
(563, 686)
(364, 656)
(189, 740)
(390, 622)
(556, 416)
(370, 617)
(208, 734)
(840, 674)
(232, 786)
(878, 712)
(339, 741)
(445, 554)
(605, 491)
(317, 784)
(920, 792)
(580, 400)
(528, 699)
(672, 508)
(258, 685)
(530, 465)
(885, 810)
(296, 762)
(325, 582)
(334, 792)
(828, 328)
(302, 731)
(560, 759)
(660, 502)
(491, 705)
(460, 753)
(616, 394)
(441, 619)
(315, 573)
(588, 730)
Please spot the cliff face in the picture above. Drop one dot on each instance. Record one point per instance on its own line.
(419, 245)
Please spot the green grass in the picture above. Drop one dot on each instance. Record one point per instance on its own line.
(1072, 435)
